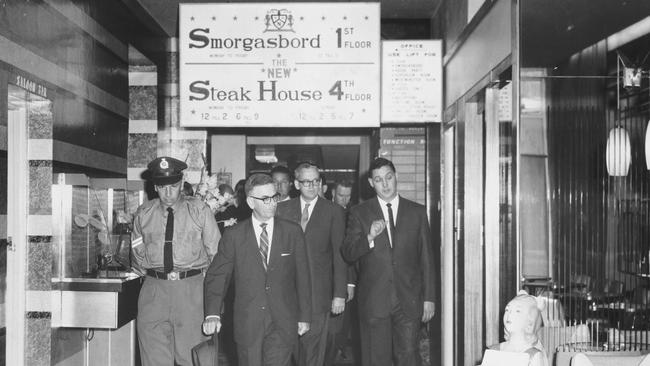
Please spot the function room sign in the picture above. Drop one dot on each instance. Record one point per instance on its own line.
(279, 65)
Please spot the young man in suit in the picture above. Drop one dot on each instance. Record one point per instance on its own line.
(266, 258)
(324, 227)
(389, 237)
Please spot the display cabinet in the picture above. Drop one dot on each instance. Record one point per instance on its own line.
(94, 291)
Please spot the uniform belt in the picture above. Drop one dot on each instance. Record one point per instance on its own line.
(173, 275)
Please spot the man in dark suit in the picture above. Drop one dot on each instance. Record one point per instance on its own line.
(267, 260)
(340, 326)
(324, 227)
(389, 237)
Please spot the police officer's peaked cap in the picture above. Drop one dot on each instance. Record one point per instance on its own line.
(165, 170)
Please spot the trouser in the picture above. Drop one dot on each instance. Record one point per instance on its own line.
(391, 338)
(169, 320)
(311, 351)
(339, 332)
(270, 348)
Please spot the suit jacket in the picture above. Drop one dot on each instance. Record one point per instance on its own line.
(283, 290)
(408, 265)
(323, 236)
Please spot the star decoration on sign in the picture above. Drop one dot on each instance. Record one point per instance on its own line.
(279, 55)
(192, 18)
(256, 18)
(295, 69)
(366, 17)
(323, 18)
(193, 111)
(302, 18)
(234, 18)
(214, 18)
(345, 18)
(262, 70)
(363, 110)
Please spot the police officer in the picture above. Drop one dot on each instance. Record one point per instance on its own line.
(174, 240)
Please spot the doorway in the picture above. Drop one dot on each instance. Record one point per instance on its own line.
(13, 222)
(340, 158)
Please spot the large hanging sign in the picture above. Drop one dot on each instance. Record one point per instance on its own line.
(411, 81)
(279, 65)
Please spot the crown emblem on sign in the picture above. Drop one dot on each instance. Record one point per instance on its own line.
(278, 21)
(164, 164)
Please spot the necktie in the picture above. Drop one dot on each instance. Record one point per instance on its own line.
(391, 222)
(304, 219)
(264, 244)
(168, 254)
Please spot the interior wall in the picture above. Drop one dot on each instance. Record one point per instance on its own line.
(228, 154)
(485, 48)
(66, 53)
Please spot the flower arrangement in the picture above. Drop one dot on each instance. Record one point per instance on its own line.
(208, 191)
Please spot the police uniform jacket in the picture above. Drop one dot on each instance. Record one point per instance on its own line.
(195, 240)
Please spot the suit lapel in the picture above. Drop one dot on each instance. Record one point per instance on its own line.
(402, 213)
(276, 243)
(377, 214)
(315, 213)
(294, 210)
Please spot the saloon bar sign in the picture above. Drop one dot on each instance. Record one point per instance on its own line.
(279, 65)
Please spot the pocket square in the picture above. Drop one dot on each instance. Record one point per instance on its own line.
(284, 254)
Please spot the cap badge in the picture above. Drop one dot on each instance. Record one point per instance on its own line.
(164, 164)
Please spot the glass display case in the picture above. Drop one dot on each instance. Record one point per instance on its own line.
(92, 278)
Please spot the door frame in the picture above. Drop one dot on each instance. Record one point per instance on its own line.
(17, 217)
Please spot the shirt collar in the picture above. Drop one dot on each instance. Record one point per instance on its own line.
(394, 202)
(312, 203)
(176, 206)
(256, 223)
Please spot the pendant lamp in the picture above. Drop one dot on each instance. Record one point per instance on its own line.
(619, 152)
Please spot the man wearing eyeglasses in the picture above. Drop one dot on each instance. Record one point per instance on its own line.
(266, 258)
(390, 240)
(174, 240)
(323, 224)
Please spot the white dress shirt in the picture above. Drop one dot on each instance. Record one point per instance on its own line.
(258, 232)
(310, 209)
(384, 210)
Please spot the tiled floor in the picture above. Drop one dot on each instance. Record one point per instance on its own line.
(349, 359)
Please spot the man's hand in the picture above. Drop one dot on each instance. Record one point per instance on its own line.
(338, 305)
(302, 328)
(211, 324)
(376, 228)
(429, 311)
(350, 293)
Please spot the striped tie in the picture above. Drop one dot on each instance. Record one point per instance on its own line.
(264, 245)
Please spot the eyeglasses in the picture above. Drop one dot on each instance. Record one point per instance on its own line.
(309, 183)
(267, 200)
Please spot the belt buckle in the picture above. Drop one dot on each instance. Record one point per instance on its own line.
(172, 276)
